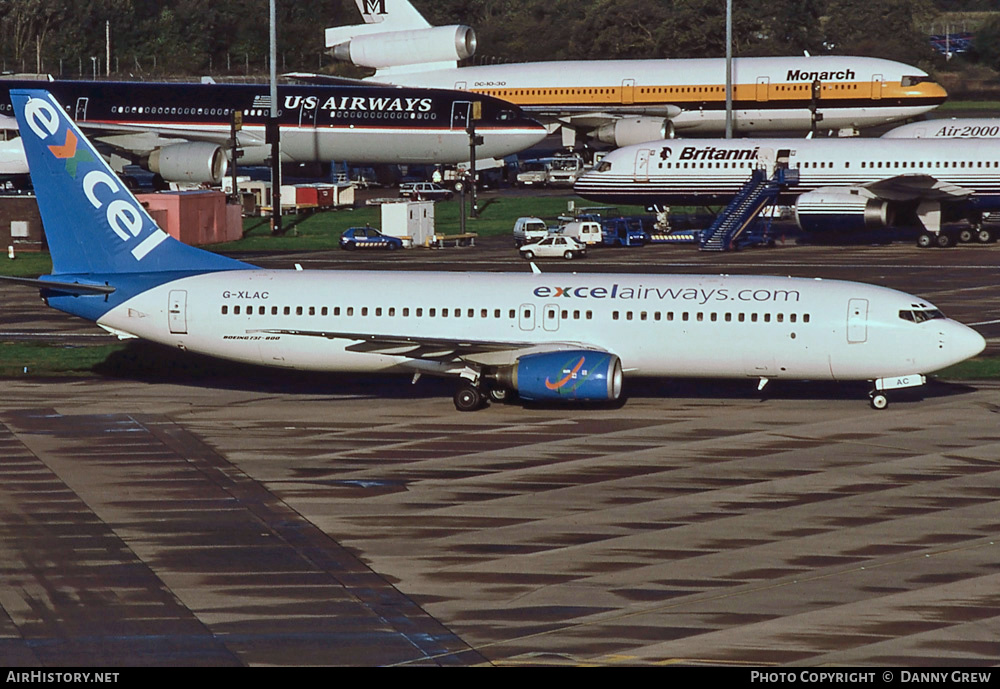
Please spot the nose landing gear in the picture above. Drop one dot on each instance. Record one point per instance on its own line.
(878, 400)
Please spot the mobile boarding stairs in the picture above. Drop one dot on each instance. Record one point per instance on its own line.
(731, 227)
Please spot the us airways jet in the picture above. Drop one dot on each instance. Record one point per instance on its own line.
(624, 102)
(842, 184)
(180, 131)
(543, 337)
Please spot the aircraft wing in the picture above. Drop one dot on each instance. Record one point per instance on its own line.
(917, 187)
(585, 116)
(313, 78)
(436, 349)
(105, 132)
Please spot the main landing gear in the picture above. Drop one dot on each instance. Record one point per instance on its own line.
(470, 397)
(974, 234)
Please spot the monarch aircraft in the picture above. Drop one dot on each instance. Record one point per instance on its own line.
(550, 337)
(623, 102)
(842, 184)
(180, 131)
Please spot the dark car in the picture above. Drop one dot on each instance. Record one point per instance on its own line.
(368, 238)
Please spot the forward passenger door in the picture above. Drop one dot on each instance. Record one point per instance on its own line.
(857, 321)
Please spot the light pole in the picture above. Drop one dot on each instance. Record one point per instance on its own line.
(274, 130)
(729, 69)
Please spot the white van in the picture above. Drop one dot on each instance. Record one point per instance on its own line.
(585, 232)
(528, 230)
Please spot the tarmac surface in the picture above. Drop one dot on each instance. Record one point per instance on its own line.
(248, 518)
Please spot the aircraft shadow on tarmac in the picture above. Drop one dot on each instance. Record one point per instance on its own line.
(153, 363)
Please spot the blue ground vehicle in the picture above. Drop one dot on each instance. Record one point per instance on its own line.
(368, 238)
(623, 231)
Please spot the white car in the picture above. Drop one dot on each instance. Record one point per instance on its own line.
(554, 246)
(428, 191)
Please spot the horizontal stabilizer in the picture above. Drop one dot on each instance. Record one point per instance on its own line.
(57, 286)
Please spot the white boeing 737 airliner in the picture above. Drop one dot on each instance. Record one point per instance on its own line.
(548, 337)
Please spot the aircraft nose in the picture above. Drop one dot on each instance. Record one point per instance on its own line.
(586, 180)
(934, 91)
(964, 343)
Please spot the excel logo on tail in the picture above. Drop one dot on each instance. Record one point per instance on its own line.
(103, 190)
(71, 153)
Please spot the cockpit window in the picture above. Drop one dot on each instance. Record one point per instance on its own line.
(920, 315)
(913, 81)
(604, 166)
(507, 115)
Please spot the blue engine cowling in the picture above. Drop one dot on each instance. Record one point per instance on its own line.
(565, 375)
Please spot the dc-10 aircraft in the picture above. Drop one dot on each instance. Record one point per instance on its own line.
(843, 184)
(544, 337)
(180, 131)
(624, 102)
(952, 128)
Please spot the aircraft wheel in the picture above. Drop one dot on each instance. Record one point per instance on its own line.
(499, 394)
(879, 401)
(984, 236)
(925, 240)
(944, 240)
(468, 398)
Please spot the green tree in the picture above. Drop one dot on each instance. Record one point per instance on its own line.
(987, 43)
(25, 27)
(880, 28)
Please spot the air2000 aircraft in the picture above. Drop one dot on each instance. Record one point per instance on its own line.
(952, 128)
(548, 337)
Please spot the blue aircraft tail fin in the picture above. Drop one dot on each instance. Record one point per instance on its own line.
(93, 223)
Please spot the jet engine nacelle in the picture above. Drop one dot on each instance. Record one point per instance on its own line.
(395, 48)
(827, 209)
(635, 130)
(582, 375)
(197, 161)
